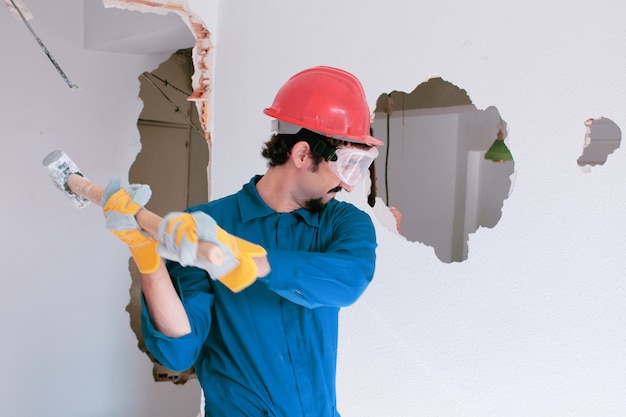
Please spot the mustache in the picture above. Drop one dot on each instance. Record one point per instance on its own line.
(336, 189)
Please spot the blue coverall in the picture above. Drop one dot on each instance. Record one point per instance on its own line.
(271, 349)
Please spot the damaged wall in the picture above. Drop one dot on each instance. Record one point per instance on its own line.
(532, 324)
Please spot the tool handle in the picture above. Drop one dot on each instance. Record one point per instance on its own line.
(148, 220)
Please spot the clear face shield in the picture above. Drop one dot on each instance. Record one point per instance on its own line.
(352, 163)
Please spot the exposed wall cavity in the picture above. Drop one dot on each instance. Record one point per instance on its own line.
(174, 159)
(175, 136)
(602, 138)
(434, 168)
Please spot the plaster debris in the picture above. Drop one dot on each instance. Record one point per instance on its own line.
(202, 53)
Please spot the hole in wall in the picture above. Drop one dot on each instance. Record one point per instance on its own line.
(433, 168)
(173, 160)
(602, 138)
(144, 34)
(174, 154)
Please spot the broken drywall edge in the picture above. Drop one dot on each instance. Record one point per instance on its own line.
(135, 32)
(202, 53)
(149, 6)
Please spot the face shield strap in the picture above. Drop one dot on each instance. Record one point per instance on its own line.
(318, 146)
(322, 149)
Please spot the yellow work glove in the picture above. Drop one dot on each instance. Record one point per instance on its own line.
(120, 206)
(180, 233)
(244, 251)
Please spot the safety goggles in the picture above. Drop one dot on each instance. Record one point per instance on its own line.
(349, 163)
(352, 163)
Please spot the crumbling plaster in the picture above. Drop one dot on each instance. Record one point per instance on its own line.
(202, 51)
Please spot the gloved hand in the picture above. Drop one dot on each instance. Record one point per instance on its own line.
(120, 206)
(179, 234)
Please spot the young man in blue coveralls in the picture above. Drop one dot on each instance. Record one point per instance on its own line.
(261, 327)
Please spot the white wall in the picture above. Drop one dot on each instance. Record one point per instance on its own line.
(532, 324)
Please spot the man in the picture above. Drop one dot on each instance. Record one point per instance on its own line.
(269, 348)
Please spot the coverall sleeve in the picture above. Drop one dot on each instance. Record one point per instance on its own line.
(333, 277)
(194, 289)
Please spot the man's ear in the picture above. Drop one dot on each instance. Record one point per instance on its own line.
(300, 152)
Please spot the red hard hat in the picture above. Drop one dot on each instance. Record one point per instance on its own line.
(326, 100)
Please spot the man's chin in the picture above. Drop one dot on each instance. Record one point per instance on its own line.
(315, 205)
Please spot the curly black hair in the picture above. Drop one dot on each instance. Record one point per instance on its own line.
(278, 148)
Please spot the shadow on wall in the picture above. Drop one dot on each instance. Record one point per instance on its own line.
(434, 168)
